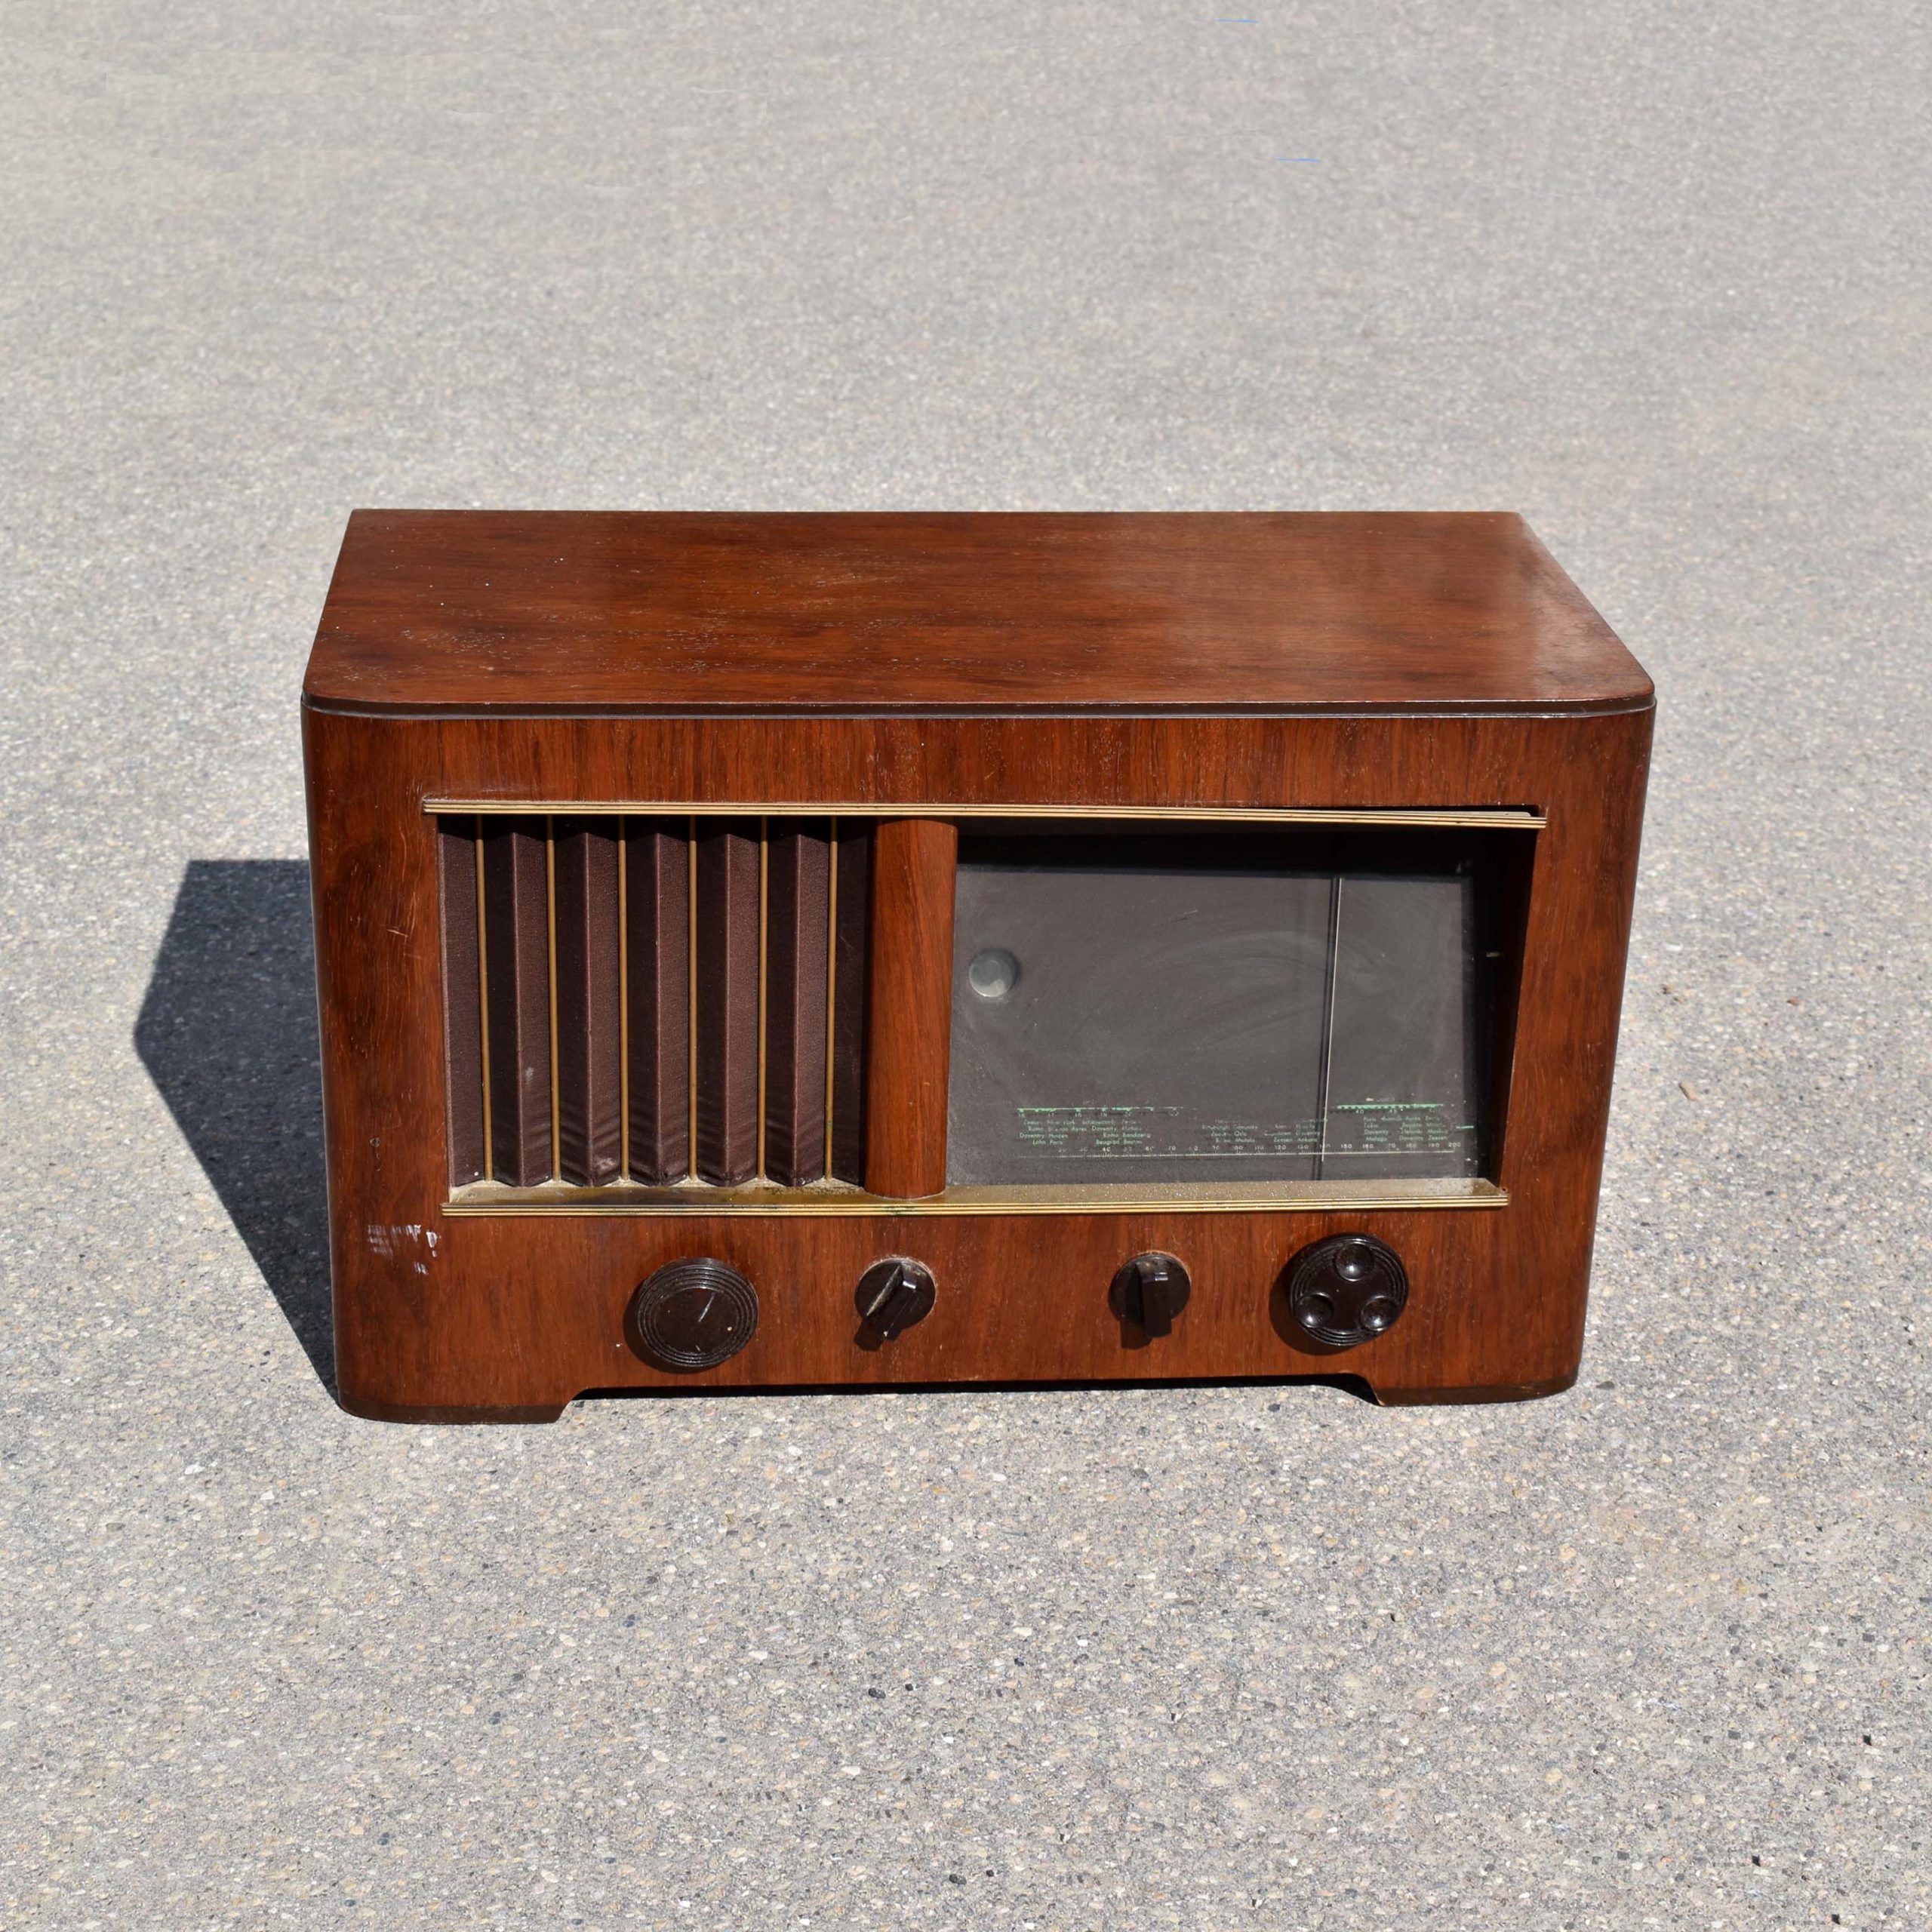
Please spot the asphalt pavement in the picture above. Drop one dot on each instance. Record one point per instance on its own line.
(1651, 1653)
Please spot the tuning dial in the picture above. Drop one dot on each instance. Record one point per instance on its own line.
(894, 1293)
(692, 1313)
(1347, 1290)
(1149, 1291)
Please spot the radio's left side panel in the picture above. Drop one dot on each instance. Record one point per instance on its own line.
(424, 1331)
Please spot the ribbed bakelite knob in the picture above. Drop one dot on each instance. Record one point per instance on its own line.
(1347, 1290)
(692, 1313)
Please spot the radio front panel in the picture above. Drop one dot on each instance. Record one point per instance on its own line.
(657, 1010)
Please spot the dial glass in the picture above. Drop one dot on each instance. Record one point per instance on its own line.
(1264, 1004)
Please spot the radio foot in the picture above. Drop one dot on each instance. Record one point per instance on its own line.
(1499, 1391)
(374, 1411)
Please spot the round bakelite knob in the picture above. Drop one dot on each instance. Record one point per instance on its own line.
(692, 1314)
(1149, 1291)
(1347, 1290)
(894, 1293)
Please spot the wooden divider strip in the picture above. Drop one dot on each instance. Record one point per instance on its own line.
(908, 1036)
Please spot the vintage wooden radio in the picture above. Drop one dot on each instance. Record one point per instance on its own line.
(805, 950)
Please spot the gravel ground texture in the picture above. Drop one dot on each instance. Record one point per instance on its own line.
(1651, 1653)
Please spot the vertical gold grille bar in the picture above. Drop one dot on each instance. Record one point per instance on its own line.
(483, 1001)
(1328, 1023)
(550, 904)
(763, 969)
(690, 897)
(623, 1005)
(831, 975)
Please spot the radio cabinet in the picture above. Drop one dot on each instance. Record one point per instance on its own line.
(799, 950)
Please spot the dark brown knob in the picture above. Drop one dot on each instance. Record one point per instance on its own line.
(1149, 1291)
(894, 1293)
(1347, 1290)
(692, 1314)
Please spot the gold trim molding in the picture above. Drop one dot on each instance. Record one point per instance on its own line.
(1502, 818)
(694, 1199)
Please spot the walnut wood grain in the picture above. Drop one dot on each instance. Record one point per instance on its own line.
(589, 1002)
(797, 958)
(516, 925)
(562, 612)
(657, 945)
(910, 1018)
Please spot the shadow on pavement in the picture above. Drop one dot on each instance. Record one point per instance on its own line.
(227, 1033)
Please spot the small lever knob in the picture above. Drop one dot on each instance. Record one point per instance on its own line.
(1149, 1291)
(894, 1293)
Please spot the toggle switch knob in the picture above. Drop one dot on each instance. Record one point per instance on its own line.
(894, 1293)
(1149, 1291)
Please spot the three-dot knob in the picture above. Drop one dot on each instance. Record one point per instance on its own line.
(1347, 1290)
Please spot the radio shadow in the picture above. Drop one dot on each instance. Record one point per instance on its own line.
(227, 1033)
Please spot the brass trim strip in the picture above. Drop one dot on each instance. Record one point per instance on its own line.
(690, 988)
(1505, 818)
(831, 978)
(624, 1007)
(550, 886)
(763, 971)
(1285, 1198)
(483, 1003)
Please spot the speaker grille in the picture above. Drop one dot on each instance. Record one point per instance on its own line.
(641, 999)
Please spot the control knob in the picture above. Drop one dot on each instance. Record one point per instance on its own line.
(692, 1313)
(1347, 1290)
(894, 1293)
(1149, 1291)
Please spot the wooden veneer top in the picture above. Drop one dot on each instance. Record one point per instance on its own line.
(445, 611)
